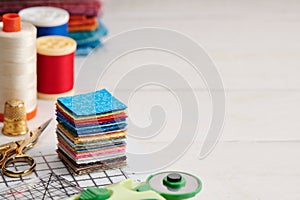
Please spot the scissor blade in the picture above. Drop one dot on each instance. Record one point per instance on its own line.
(35, 134)
(42, 127)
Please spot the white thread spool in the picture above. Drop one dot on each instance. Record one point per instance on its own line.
(48, 20)
(18, 64)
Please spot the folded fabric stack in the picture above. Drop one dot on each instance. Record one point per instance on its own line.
(87, 31)
(84, 25)
(91, 131)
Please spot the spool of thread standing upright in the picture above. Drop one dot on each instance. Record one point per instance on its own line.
(48, 20)
(18, 63)
(55, 66)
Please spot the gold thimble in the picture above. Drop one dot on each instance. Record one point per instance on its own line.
(14, 123)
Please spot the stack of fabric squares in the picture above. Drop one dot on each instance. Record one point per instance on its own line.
(84, 26)
(91, 131)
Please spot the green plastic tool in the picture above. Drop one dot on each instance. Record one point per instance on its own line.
(172, 185)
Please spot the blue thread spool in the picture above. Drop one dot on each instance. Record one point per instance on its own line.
(48, 20)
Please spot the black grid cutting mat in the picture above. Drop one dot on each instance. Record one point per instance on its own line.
(51, 164)
(49, 187)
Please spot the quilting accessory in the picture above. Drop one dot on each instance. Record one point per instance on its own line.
(88, 27)
(91, 131)
(89, 139)
(88, 40)
(18, 148)
(99, 117)
(74, 7)
(48, 20)
(14, 123)
(87, 37)
(172, 185)
(12, 23)
(162, 186)
(101, 142)
(78, 20)
(100, 129)
(83, 50)
(81, 137)
(83, 16)
(91, 104)
(82, 132)
(112, 117)
(55, 66)
(42, 185)
(79, 169)
(18, 63)
(97, 154)
(50, 186)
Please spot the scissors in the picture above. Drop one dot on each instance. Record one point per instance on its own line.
(18, 148)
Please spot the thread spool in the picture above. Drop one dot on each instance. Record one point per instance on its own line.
(18, 63)
(55, 66)
(48, 20)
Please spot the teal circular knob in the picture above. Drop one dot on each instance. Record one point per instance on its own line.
(94, 193)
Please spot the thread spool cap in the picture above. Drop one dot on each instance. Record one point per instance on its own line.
(55, 45)
(14, 123)
(11, 22)
(45, 16)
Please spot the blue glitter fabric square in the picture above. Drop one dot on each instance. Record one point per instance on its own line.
(99, 102)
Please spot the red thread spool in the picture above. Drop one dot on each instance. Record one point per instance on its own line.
(55, 66)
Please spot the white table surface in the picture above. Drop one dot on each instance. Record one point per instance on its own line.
(256, 48)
